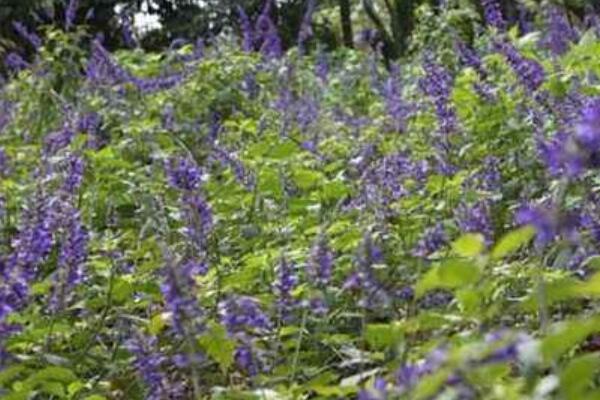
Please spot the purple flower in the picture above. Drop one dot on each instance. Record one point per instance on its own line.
(476, 219)
(243, 314)
(76, 166)
(559, 33)
(530, 73)
(377, 392)
(15, 63)
(285, 282)
(320, 265)
(71, 259)
(548, 223)
(437, 84)
(151, 364)
(587, 132)
(306, 26)
(397, 108)
(31, 37)
(322, 66)
(247, 31)
(432, 240)
(179, 292)
(408, 375)
(266, 33)
(183, 173)
(71, 13)
(364, 279)
(493, 14)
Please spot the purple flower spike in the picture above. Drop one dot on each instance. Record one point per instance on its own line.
(183, 173)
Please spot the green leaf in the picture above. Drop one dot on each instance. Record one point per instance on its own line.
(578, 374)
(218, 345)
(156, 324)
(306, 178)
(283, 150)
(382, 336)
(567, 335)
(451, 274)
(512, 241)
(469, 245)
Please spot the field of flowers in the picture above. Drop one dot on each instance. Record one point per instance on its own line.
(228, 221)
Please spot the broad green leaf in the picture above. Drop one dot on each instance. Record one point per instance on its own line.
(512, 241)
(469, 245)
(567, 335)
(306, 178)
(381, 336)
(218, 345)
(451, 274)
(577, 376)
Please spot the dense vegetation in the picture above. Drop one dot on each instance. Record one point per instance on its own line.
(233, 221)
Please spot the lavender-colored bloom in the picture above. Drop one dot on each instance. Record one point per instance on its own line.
(245, 360)
(510, 346)
(559, 33)
(89, 123)
(397, 108)
(71, 13)
(322, 66)
(437, 84)
(285, 282)
(242, 314)
(587, 132)
(243, 175)
(548, 223)
(377, 392)
(432, 240)
(57, 141)
(320, 265)
(306, 31)
(151, 364)
(127, 30)
(408, 375)
(470, 58)
(31, 37)
(476, 219)
(247, 31)
(90, 14)
(71, 259)
(267, 35)
(179, 292)
(74, 177)
(183, 173)
(493, 14)
(530, 73)
(198, 220)
(15, 63)
(307, 112)
(364, 279)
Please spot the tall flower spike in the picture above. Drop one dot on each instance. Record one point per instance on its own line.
(493, 14)
(432, 240)
(31, 37)
(306, 31)
(285, 282)
(71, 14)
(320, 265)
(247, 31)
(437, 84)
(151, 365)
(71, 259)
(559, 33)
(530, 73)
(183, 173)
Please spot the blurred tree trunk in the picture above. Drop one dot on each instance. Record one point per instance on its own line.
(345, 14)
